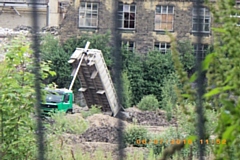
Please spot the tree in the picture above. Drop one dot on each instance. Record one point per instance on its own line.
(97, 41)
(187, 58)
(53, 52)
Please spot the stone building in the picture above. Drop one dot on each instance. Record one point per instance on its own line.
(139, 23)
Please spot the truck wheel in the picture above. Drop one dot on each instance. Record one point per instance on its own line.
(70, 111)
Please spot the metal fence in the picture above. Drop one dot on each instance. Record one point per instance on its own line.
(36, 43)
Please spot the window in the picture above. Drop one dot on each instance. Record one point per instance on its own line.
(205, 19)
(164, 18)
(200, 49)
(126, 15)
(163, 47)
(130, 45)
(237, 17)
(88, 14)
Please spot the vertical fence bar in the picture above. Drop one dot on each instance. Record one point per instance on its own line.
(117, 78)
(200, 83)
(36, 50)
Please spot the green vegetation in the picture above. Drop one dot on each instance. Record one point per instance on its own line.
(148, 102)
(93, 110)
(134, 134)
(169, 95)
(17, 100)
(60, 123)
(151, 81)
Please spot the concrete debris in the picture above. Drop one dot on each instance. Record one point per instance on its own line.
(23, 28)
(26, 30)
(11, 32)
(53, 30)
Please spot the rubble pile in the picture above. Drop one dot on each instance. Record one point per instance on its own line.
(13, 32)
(151, 118)
(53, 30)
(26, 30)
(23, 28)
(106, 134)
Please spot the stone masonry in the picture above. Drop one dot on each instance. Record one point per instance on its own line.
(144, 34)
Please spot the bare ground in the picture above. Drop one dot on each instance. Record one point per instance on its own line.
(103, 130)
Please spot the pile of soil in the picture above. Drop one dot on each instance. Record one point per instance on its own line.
(106, 134)
(100, 120)
(104, 128)
(151, 118)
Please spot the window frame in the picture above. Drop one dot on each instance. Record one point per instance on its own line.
(165, 49)
(88, 11)
(121, 17)
(204, 17)
(161, 13)
(203, 51)
(127, 42)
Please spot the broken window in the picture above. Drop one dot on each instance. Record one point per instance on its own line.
(88, 14)
(129, 45)
(163, 47)
(164, 16)
(127, 15)
(204, 19)
(201, 49)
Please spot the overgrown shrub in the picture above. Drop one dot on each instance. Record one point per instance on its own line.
(68, 124)
(132, 64)
(156, 67)
(135, 135)
(127, 95)
(160, 141)
(169, 95)
(93, 110)
(17, 101)
(52, 51)
(186, 56)
(148, 102)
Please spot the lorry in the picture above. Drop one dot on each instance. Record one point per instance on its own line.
(96, 84)
(58, 100)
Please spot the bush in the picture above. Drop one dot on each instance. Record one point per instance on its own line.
(148, 102)
(127, 95)
(69, 124)
(135, 133)
(169, 96)
(93, 110)
(159, 140)
(53, 52)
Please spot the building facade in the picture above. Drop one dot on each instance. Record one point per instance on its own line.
(15, 13)
(139, 23)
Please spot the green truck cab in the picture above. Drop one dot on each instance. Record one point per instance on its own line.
(58, 100)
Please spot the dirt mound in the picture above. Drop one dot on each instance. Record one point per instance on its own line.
(152, 118)
(133, 109)
(100, 120)
(101, 134)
